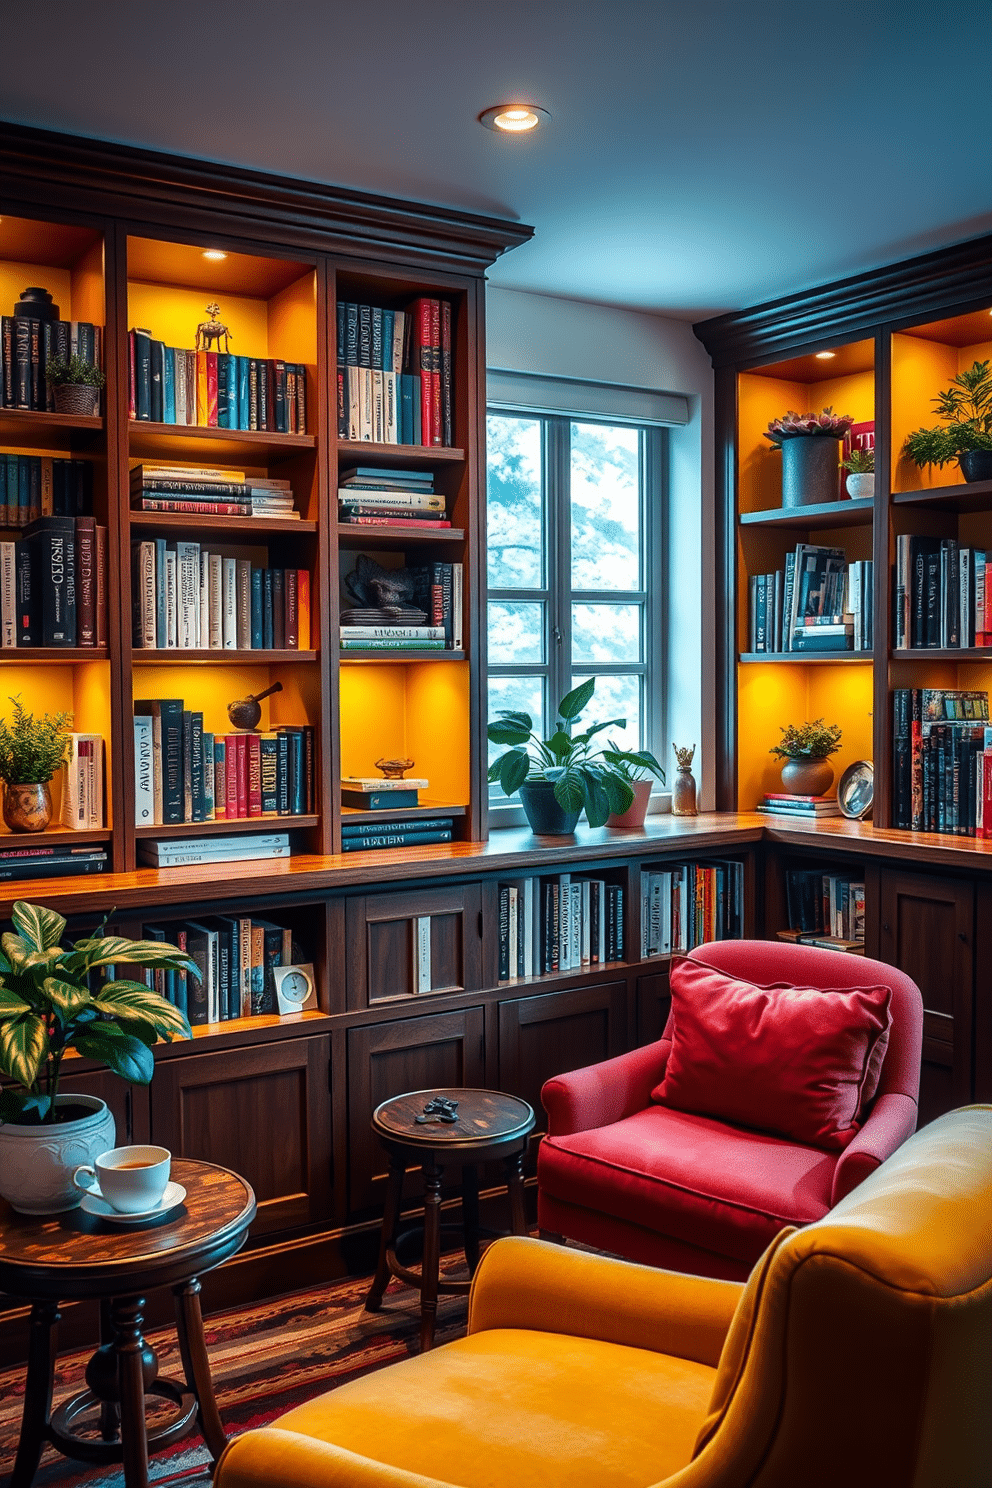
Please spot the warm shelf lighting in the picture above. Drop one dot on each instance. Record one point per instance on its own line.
(514, 118)
(825, 356)
(214, 254)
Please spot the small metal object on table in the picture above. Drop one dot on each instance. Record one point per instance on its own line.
(437, 1129)
(76, 1256)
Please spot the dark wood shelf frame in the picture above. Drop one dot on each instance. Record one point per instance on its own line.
(804, 658)
(856, 512)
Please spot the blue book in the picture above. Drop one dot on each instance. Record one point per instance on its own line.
(388, 316)
(169, 386)
(406, 409)
(163, 978)
(416, 433)
(244, 385)
(23, 488)
(223, 390)
(161, 634)
(256, 609)
(267, 632)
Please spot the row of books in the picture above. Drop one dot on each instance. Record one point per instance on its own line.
(370, 497)
(33, 486)
(398, 832)
(690, 904)
(940, 594)
(183, 773)
(200, 491)
(438, 594)
(187, 852)
(817, 602)
(53, 585)
(821, 904)
(26, 348)
(236, 956)
(558, 924)
(394, 382)
(48, 861)
(187, 597)
(809, 808)
(82, 783)
(939, 740)
(214, 389)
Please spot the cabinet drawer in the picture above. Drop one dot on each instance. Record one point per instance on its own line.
(414, 943)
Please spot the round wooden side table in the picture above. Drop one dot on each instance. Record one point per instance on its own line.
(75, 1256)
(415, 1128)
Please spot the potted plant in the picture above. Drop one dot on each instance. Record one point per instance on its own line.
(559, 776)
(965, 433)
(810, 448)
(31, 750)
(53, 999)
(75, 384)
(637, 767)
(860, 465)
(805, 748)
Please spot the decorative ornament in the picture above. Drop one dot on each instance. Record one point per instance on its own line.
(394, 769)
(439, 1109)
(683, 786)
(245, 712)
(209, 331)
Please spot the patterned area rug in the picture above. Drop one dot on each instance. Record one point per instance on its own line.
(264, 1360)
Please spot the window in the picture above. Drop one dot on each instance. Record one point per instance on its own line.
(575, 578)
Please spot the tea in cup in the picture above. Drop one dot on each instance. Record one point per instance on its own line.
(131, 1179)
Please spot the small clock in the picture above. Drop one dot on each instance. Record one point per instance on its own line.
(296, 988)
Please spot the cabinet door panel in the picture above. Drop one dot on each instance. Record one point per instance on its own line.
(926, 930)
(262, 1111)
(386, 940)
(389, 1059)
(653, 1004)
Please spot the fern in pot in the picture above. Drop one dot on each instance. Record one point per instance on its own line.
(965, 429)
(31, 751)
(54, 999)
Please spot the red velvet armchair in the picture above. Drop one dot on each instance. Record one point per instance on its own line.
(666, 1187)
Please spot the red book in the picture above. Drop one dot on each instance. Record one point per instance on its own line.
(422, 362)
(400, 519)
(437, 427)
(241, 773)
(291, 637)
(131, 392)
(303, 604)
(211, 389)
(253, 751)
(231, 762)
(447, 413)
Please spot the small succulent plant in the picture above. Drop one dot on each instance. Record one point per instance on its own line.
(793, 425)
(860, 462)
(814, 740)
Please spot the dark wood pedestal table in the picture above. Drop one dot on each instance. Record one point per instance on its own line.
(488, 1126)
(76, 1256)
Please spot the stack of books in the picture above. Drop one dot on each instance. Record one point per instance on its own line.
(401, 832)
(558, 924)
(373, 793)
(432, 623)
(186, 597)
(82, 783)
(209, 492)
(369, 497)
(690, 904)
(53, 585)
(236, 957)
(825, 909)
(185, 852)
(941, 599)
(942, 761)
(809, 808)
(394, 383)
(33, 486)
(817, 602)
(27, 346)
(38, 861)
(183, 773)
(214, 389)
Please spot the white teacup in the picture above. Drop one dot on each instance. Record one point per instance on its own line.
(131, 1179)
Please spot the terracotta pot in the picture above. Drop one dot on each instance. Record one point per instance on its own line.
(637, 810)
(807, 777)
(684, 794)
(37, 1162)
(27, 808)
(547, 818)
(810, 469)
(76, 397)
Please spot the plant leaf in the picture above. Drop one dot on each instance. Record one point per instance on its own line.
(505, 732)
(41, 927)
(573, 702)
(23, 1046)
(618, 792)
(11, 1005)
(570, 790)
(126, 1055)
(65, 997)
(24, 1107)
(514, 769)
(5, 966)
(116, 950)
(596, 800)
(133, 1001)
(23, 956)
(597, 728)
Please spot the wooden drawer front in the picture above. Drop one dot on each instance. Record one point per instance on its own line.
(926, 929)
(262, 1111)
(388, 1059)
(653, 1003)
(560, 1031)
(386, 936)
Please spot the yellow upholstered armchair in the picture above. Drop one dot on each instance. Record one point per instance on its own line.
(857, 1355)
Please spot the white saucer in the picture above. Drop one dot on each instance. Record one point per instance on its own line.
(95, 1204)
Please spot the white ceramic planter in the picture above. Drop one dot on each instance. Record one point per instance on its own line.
(861, 485)
(37, 1162)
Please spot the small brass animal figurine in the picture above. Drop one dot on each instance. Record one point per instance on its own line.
(209, 331)
(245, 712)
(394, 769)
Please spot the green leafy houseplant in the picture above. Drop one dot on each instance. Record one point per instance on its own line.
(73, 371)
(582, 773)
(54, 999)
(965, 409)
(32, 749)
(860, 462)
(801, 741)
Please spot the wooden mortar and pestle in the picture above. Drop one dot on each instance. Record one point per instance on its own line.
(245, 713)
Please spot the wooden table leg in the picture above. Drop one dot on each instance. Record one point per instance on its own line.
(470, 1214)
(196, 1365)
(387, 1238)
(126, 1315)
(431, 1264)
(515, 1189)
(37, 1392)
(110, 1413)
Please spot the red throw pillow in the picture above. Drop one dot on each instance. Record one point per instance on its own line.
(796, 1061)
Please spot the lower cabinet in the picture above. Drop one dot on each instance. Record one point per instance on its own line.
(926, 928)
(263, 1111)
(654, 1001)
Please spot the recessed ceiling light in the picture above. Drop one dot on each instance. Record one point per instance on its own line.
(214, 254)
(825, 356)
(514, 118)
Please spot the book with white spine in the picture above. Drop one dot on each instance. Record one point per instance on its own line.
(171, 599)
(216, 602)
(229, 609)
(204, 600)
(188, 584)
(144, 772)
(8, 595)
